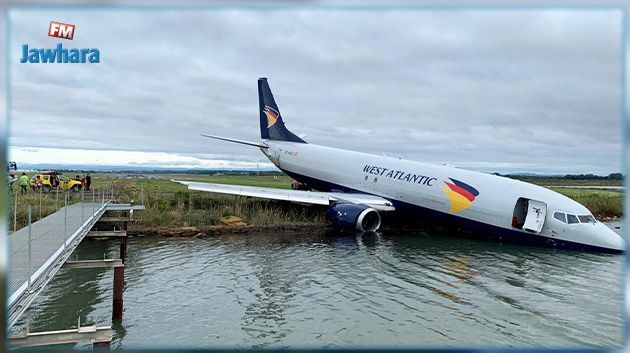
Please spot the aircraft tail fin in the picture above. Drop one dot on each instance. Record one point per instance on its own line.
(271, 123)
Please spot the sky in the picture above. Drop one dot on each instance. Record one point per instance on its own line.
(492, 90)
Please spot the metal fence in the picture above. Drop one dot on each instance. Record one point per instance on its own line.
(34, 248)
(47, 202)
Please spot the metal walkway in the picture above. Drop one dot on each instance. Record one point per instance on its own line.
(32, 264)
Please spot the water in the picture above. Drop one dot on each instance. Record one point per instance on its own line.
(413, 289)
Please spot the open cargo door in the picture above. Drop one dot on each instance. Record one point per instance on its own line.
(536, 212)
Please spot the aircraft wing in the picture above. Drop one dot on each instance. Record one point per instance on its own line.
(311, 197)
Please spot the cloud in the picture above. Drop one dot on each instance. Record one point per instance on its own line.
(34, 156)
(536, 89)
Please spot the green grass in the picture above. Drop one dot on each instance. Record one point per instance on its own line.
(172, 205)
(200, 209)
(602, 203)
(42, 205)
(281, 182)
(169, 204)
(569, 182)
(164, 183)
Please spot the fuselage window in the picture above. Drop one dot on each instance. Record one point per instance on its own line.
(587, 219)
(560, 216)
(572, 219)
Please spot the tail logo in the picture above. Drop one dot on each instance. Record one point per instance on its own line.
(460, 194)
(272, 115)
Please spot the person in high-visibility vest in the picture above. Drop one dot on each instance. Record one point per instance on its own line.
(23, 183)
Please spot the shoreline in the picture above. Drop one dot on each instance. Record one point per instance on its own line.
(182, 232)
(214, 230)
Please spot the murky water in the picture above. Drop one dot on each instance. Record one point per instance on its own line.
(291, 290)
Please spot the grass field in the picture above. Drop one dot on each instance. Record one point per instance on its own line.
(172, 205)
(169, 204)
(281, 182)
(42, 205)
(602, 203)
(163, 183)
(569, 182)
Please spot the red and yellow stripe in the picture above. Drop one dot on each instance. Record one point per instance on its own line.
(460, 194)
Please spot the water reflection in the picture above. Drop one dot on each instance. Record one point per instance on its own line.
(71, 296)
(369, 239)
(392, 288)
(264, 318)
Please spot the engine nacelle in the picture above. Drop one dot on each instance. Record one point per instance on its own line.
(352, 216)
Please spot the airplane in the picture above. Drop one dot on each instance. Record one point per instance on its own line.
(358, 186)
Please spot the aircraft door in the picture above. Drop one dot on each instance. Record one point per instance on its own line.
(535, 219)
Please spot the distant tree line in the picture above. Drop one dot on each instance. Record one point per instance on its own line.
(223, 171)
(611, 176)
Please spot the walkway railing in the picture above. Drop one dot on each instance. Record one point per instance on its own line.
(49, 201)
(49, 239)
(38, 250)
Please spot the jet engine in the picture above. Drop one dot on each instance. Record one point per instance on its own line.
(352, 216)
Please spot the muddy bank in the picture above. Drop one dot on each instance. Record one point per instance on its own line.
(228, 225)
(307, 228)
(222, 229)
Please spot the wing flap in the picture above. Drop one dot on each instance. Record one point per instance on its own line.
(310, 197)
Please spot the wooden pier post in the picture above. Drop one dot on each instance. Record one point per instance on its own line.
(123, 248)
(119, 283)
(126, 217)
(123, 240)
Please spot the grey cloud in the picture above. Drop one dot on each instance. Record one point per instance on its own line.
(530, 89)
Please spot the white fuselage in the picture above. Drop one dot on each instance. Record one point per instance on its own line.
(425, 185)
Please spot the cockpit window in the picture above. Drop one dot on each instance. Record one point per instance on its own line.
(560, 216)
(572, 219)
(587, 219)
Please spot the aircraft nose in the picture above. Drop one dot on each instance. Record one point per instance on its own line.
(609, 239)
